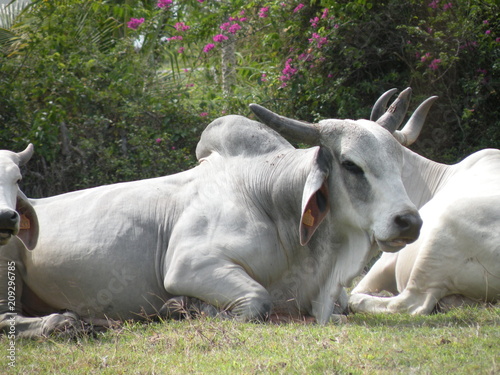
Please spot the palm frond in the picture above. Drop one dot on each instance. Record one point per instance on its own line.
(9, 12)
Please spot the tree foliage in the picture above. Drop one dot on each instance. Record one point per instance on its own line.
(118, 90)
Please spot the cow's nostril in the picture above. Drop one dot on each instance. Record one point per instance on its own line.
(8, 219)
(403, 221)
(409, 225)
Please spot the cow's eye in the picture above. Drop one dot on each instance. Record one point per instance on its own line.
(352, 167)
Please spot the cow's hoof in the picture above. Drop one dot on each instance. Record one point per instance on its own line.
(183, 307)
(175, 308)
(338, 319)
(67, 325)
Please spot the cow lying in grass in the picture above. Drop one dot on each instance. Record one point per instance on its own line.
(258, 227)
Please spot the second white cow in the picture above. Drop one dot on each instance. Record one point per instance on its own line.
(457, 256)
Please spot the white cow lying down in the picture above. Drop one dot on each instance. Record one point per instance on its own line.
(257, 227)
(457, 256)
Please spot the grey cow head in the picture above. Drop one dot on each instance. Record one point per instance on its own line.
(360, 181)
(17, 216)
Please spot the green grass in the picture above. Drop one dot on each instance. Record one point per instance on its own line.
(463, 341)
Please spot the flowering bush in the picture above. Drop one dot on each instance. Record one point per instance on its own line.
(129, 81)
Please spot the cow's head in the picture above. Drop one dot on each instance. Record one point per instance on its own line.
(17, 216)
(360, 179)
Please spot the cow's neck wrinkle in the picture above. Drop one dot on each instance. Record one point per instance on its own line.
(276, 187)
(423, 177)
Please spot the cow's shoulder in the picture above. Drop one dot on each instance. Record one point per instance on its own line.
(239, 136)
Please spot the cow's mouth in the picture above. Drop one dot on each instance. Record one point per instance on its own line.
(394, 245)
(5, 235)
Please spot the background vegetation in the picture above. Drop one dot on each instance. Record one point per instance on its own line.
(115, 90)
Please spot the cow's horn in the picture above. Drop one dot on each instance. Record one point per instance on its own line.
(25, 156)
(393, 117)
(413, 127)
(381, 104)
(293, 130)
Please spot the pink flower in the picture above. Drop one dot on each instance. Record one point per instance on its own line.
(314, 22)
(305, 57)
(204, 114)
(180, 50)
(158, 140)
(229, 27)
(434, 64)
(298, 8)
(447, 6)
(488, 32)
(164, 3)
(469, 45)
(263, 77)
(486, 22)
(497, 40)
(177, 37)
(134, 23)
(181, 26)
(208, 47)
(263, 12)
(434, 4)
(201, 1)
(288, 72)
(425, 57)
(234, 28)
(220, 38)
(319, 39)
(325, 13)
(288, 68)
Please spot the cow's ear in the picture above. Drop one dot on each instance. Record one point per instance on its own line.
(315, 203)
(28, 227)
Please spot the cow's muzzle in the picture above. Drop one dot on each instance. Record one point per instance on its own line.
(9, 225)
(408, 227)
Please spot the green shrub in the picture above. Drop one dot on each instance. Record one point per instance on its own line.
(94, 93)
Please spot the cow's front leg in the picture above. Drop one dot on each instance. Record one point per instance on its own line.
(224, 285)
(380, 277)
(409, 301)
(182, 307)
(12, 320)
